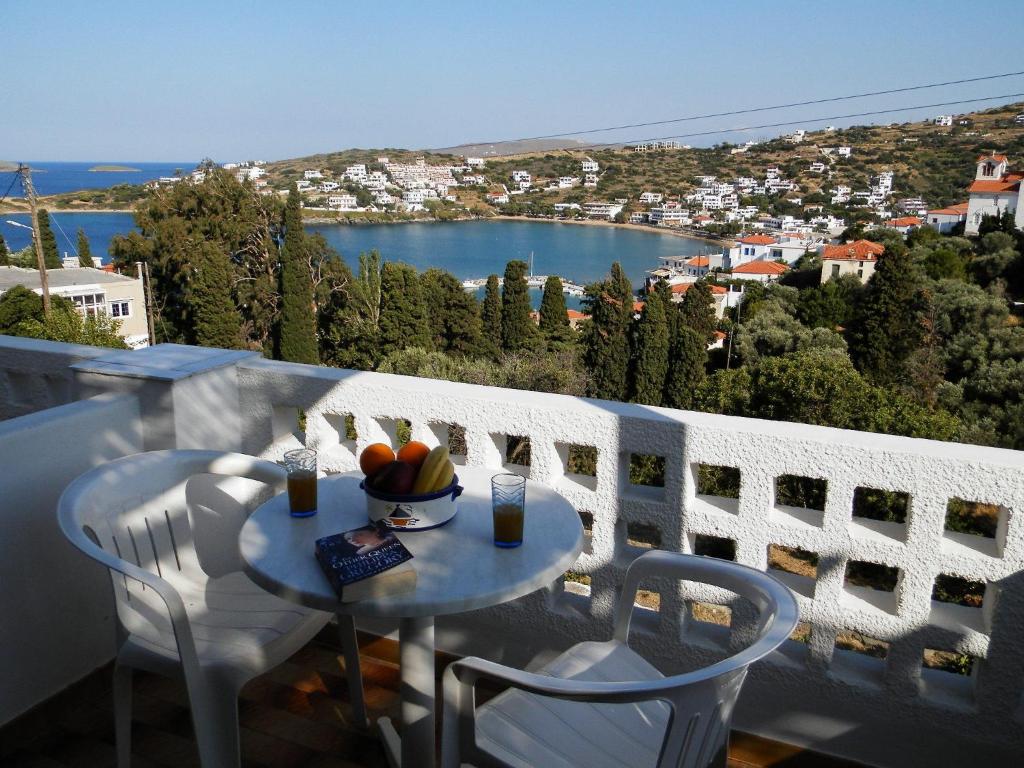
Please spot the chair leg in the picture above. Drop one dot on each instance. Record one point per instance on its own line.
(123, 714)
(215, 721)
(350, 649)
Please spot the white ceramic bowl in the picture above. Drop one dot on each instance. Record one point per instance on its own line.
(418, 512)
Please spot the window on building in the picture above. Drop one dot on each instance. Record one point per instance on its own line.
(120, 309)
(89, 304)
(988, 169)
(860, 273)
(835, 270)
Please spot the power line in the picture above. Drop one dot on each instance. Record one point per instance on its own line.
(786, 123)
(74, 250)
(10, 186)
(757, 109)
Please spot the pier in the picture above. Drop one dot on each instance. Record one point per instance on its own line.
(533, 281)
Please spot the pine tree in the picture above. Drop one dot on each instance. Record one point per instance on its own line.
(297, 340)
(649, 365)
(404, 320)
(216, 321)
(490, 316)
(51, 259)
(605, 342)
(889, 323)
(517, 329)
(84, 251)
(5, 257)
(688, 357)
(697, 309)
(454, 314)
(554, 319)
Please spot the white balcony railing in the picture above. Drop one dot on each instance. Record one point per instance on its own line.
(891, 711)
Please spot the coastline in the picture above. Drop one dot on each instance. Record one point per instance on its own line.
(8, 209)
(596, 223)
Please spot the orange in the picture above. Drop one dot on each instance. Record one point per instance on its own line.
(413, 452)
(375, 457)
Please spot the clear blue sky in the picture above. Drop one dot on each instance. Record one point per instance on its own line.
(233, 80)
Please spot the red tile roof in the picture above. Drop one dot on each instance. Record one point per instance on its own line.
(684, 287)
(859, 250)
(997, 158)
(576, 315)
(760, 268)
(960, 209)
(1009, 183)
(758, 240)
(638, 306)
(904, 221)
(698, 261)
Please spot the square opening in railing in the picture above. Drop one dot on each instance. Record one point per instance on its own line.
(452, 437)
(859, 656)
(953, 589)
(711, 613)
(587, 519)
(579, 463)
(800, 501)
(643, 536)
(877, 512)
(713, 546)
(517, 450)
(957, 603)
(951, 662)
(398, 431)
(577, 583)
(718, 487)
(975, 525)
(289, 425)
(343, 429)
(642, 476)
(871, 584)
(797, 568)
(801, 633)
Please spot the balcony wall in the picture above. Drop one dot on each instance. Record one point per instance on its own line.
(889, 711)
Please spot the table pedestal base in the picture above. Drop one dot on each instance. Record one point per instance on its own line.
(415, 748)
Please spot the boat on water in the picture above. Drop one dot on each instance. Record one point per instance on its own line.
(532, 281)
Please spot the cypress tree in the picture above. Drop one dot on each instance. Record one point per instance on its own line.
(554, 320)
(404, 320)
(216, 322)
(697, 309)
(454, 314)
(84, 251)
(672, 316)
(649, 365)
(688, 357)
(605, 342)
(297, 340)
(622, 290)
(888, 325)
(5, 257)
(50, 256)
(491, 319)
(517, 329)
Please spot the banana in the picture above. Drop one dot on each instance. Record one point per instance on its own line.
(444, 479)
(431, 470)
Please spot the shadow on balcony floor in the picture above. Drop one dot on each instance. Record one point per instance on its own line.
(296, 716)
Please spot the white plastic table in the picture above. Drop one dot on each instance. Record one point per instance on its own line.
(458, 569)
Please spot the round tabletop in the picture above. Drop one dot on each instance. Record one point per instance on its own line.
(458, 568)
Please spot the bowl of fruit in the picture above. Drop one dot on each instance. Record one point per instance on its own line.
(413, 490)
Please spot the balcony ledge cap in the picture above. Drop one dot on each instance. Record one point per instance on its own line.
(163, 362)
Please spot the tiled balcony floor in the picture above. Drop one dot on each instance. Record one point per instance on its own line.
(296, 716)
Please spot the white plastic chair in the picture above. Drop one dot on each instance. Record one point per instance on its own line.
(183, 612)
(601, 705)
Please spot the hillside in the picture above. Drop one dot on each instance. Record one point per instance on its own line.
(511, 147)
(934, 162)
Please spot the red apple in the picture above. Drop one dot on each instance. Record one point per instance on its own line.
(396, 477)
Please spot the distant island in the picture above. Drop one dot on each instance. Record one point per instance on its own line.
(114, 168)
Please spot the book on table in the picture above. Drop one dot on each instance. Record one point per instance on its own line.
(366, 563)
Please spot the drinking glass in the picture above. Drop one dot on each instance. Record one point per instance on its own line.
(508, 504)
(301, 467)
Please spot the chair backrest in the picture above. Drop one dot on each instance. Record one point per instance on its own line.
(703, 700)
(136, 509)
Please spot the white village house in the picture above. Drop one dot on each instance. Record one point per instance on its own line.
(994, 191)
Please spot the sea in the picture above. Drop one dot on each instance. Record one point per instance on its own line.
(467, 249)
(51, 178)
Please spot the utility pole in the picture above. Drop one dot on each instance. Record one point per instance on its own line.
(30, 194)
(147, 288)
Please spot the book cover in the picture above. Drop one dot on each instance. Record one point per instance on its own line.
(365, 563)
